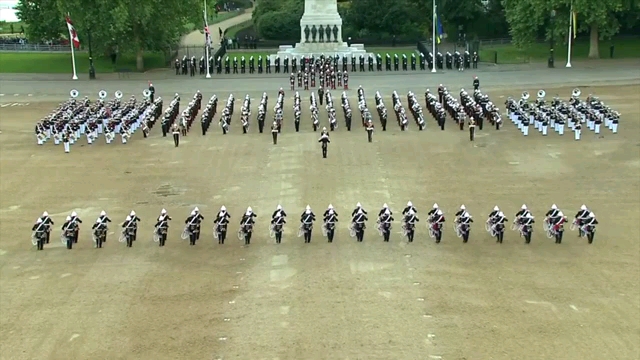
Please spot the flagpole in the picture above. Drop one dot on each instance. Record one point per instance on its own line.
(206, 46)
(433, 38)
(73, 53)
(569, 37)
(73, 62)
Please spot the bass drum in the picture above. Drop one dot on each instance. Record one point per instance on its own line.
(122, 237)
(272, 233)
(34, 239)
(156, 235)
(352, 230)
(185, 234)
(240, 234)
(63, 239)
(300, 231)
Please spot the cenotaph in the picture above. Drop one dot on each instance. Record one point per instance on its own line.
(320, 33)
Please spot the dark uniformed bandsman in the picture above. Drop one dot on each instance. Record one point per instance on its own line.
(306, 223)
(384, 220)
(472, 128)
(409, 223)
(175, 130)
(69, 231)
(476, 83)
(221, 223)
(274, 132)
(324, 140)
(246, 225)
(193, 225)
(47, 223)
(39, 236)
(278, 219)
(75, 219)
(162, 227)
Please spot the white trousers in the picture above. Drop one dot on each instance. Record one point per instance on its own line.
(525, 130)
(560, 129)
(576, 134)
(67, 146)
(544, 130)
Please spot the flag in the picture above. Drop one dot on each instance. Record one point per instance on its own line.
(73, 34)
(439, 28)
(574, 23)
(207, 34)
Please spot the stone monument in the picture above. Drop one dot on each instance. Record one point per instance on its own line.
(320, 33)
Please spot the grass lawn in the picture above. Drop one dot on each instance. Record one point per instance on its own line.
(233, 30)
(29, 62)
(509, 54)
(5, 27)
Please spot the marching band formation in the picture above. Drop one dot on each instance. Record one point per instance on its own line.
(558, 113)
(553, 225)
(75, 118)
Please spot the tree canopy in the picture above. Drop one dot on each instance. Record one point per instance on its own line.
(115, 25)
(602, 19)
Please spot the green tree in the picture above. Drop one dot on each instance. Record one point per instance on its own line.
(600, 18)
(44, 19)
(131, 26)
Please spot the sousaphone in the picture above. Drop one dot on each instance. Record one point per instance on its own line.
(525, 95)
(74, 93)
(146, 93)
(118, 94)
(576, 92)
(102, 94)
(541, 94)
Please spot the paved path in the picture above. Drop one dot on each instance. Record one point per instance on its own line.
(193, 43)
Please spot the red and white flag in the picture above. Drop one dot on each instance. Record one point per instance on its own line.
(73, 34)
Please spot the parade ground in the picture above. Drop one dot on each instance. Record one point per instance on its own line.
(344, 300)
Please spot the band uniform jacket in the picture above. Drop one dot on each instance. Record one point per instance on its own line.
(408, 208)
(324, 139)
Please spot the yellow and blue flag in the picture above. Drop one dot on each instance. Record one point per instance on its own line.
(439, 28)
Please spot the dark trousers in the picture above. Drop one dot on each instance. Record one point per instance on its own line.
(465, 236)
(278, 237)
(410, 234)
(135, 234)
(360, 235)
(163, 240)
(297, 125)
(40, 244)
(99, 242)
(438, 236)
(324, 152)
(386, 234)
(176, 139)
(69, 243)
(260, 126)
(330, 234)
(590, 237)
(307, 236)
(370, 135)
(47, 237)
(500, 236)
(75, 237)
(472, 131)
(193, 237)
(559, 237)
(129, 240)
(275, 137)
(527, 238)
(247, 238)
(222, 235)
